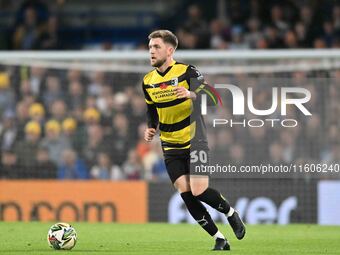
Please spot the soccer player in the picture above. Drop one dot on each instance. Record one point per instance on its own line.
(172, 93)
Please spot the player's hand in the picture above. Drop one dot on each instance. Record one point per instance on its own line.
(149, 133)
(182, 92)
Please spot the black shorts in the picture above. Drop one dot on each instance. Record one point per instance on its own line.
(178, 162)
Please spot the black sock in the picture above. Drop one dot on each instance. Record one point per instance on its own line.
(215, 200)
(199, 212)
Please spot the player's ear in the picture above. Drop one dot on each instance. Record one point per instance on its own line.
(171, 50)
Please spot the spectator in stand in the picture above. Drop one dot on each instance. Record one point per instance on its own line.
(54, 142)
(253, 34)
(72, 167)
(9, 167)
(26, 34)
(7, 97)
(58, 110)
(73, 134)
(96, 84)
(26, 150)
(290, 40)
(273, 39)
(132, 167)
(38, 5)
(219, 34)
(44, 168)
(120, 137)
(76, 96)
(336, 17)
(9, 134)
(331, 140)
(22, 117)
(50, 38)
(310, 139)
(37, 76)
(104, 170)
(333, 154)
(150, 159)
(301, 34)
(307, 19)
(328, 34)
(237, 40)
(75, 75)
(25, 91)
(53, 91)
(91, 102)
(159, 171)
(37, 113)
(237, 155)
(120, 102)
(142, 147)
(278, 21)
(319, 43)
(195, 31)
(105, 103)
(96, 143)
(91, 116)
(136, 115)
(287, 140)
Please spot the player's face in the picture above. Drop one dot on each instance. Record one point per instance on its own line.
(159, 51)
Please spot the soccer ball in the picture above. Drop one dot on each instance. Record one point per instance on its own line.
(62, 236)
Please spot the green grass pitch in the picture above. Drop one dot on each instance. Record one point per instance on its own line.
(30, 238)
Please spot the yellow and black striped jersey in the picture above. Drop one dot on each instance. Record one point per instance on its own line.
(178, 124)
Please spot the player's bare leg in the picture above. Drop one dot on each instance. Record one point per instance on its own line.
(182, 184)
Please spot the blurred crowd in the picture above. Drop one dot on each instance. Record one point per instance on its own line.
(247, 24)
(74, 125)
(314, 140)
(70, 124)
(36, 26)
(262, 25)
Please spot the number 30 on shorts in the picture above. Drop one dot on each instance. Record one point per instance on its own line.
(200, 156)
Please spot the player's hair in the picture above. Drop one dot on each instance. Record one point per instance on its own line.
(166, 35)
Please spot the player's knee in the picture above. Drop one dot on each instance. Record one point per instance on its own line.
(196, 191)
(182, 184)
(182, 188)
(198, 186)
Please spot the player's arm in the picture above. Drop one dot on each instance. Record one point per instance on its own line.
(197, 87)
(182, 92)
(152, 117)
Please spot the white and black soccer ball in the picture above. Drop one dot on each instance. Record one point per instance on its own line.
(62, 236)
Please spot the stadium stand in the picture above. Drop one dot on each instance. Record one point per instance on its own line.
(248, 24)
(89, 115)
